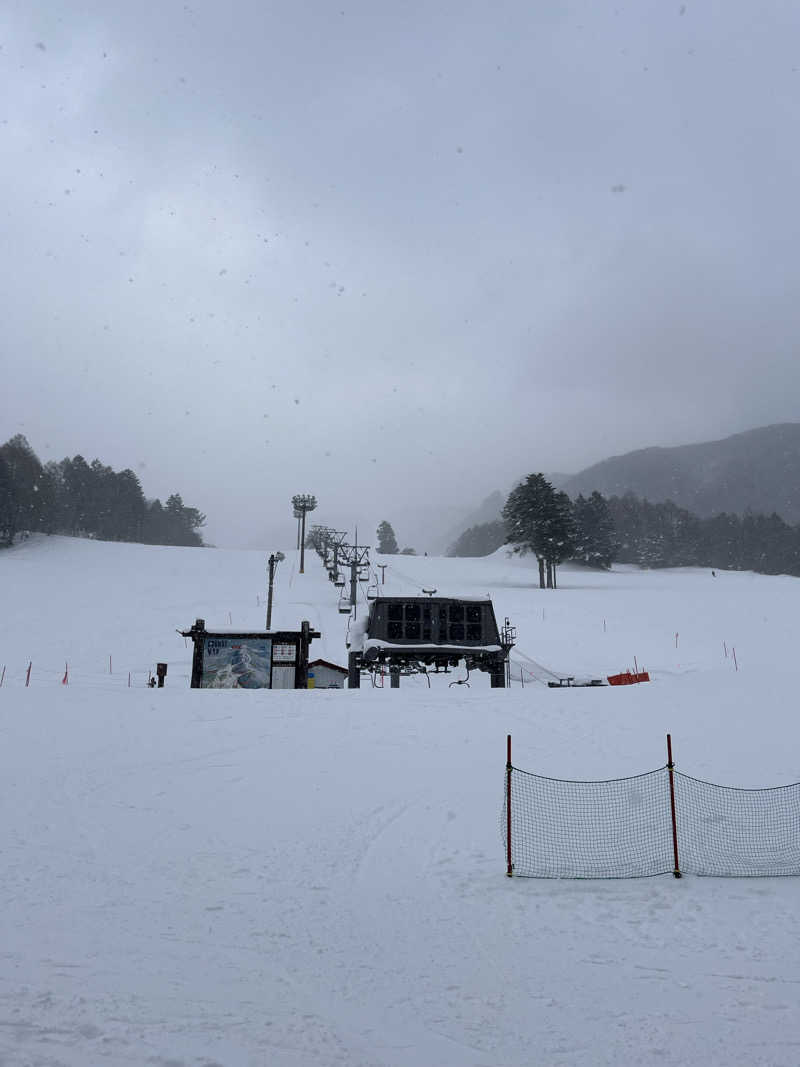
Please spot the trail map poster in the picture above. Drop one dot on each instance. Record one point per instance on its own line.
(236, 663)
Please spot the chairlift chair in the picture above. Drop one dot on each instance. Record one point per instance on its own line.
(344, 606)
(372, 591)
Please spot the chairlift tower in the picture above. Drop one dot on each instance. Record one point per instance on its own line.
(356, 557)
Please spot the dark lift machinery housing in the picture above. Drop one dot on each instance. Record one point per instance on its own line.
(415, 633)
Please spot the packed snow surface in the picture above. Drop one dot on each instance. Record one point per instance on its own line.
(199, 877)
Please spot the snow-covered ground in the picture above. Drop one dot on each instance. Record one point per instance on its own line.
(317, 878)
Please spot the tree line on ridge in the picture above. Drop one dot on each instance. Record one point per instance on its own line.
(597, 531)
(86, 500)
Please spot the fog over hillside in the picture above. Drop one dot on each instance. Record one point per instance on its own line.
(757, 471)
(392, 254)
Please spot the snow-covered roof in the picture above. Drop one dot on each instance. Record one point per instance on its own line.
(330, 666)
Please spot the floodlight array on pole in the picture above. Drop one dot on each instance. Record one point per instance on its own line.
(302, 503)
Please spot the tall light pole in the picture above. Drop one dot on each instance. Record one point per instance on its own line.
(303, 503)
(297, 516)
(274, 560)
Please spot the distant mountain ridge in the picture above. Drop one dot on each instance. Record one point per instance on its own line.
(758, 470)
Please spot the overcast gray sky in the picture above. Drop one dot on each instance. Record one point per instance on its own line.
(394, 254)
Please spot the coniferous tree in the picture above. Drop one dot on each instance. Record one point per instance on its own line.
(524, 509)
(129, 506)
(720, 542)
(101, 513)
(539, 519)
(77, 481)
(20, 505)
(7, 503)
(595, 542)
(387, 542)
(555, 535)
(185, 521)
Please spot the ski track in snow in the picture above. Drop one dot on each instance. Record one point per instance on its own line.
(219, 879)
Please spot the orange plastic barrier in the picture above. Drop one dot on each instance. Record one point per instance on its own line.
(628, 678)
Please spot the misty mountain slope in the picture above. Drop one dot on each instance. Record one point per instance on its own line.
(757, 470)
(242, 878)
(489, 510)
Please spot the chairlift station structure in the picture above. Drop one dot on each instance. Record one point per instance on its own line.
(421, 632)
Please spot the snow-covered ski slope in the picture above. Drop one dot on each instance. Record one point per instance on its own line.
(317, 878)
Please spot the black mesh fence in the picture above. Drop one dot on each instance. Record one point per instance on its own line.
(622, 828)
(737, 832)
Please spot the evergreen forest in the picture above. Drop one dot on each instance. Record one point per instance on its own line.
(596, 531)
(86, 500)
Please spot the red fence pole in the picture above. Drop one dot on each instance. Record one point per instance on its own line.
(670, 767)
(510, 868)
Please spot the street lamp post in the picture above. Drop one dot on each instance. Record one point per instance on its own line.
(274, 560)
